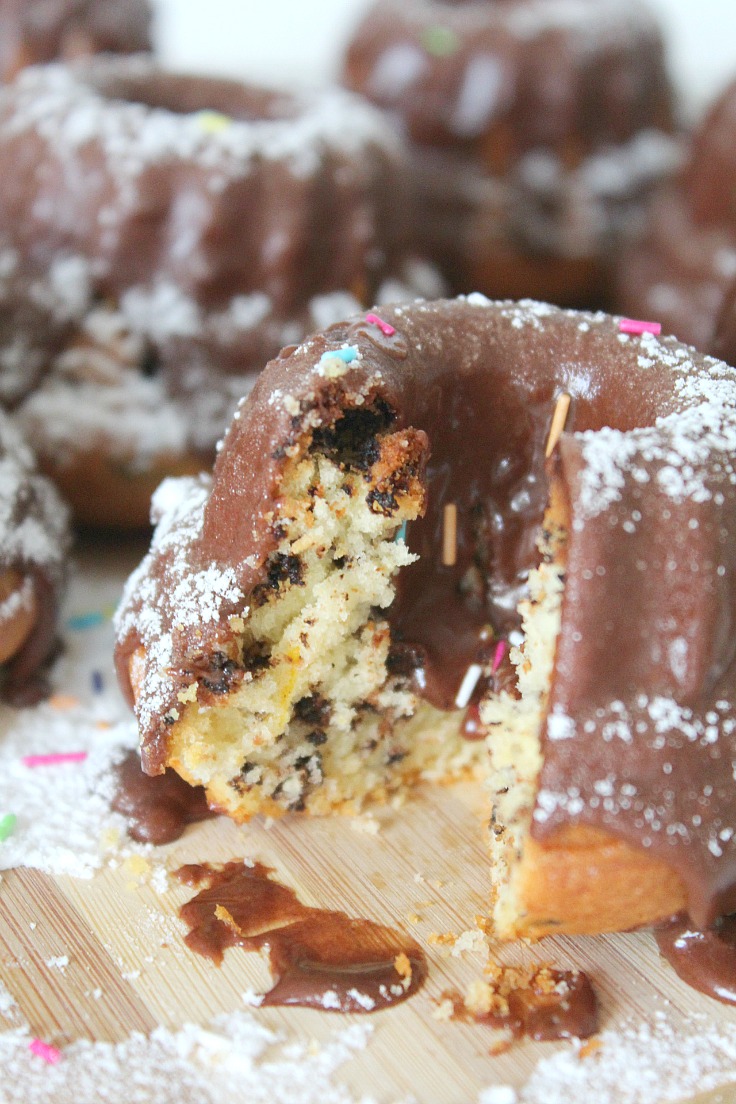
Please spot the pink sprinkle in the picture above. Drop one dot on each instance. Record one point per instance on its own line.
(500, 650)
(384, 327)
(634, 326)
(54, 760)
(43, 1050)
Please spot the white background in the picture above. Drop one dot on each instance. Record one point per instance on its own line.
(293, 42)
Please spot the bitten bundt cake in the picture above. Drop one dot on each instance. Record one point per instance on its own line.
(163, 236)
(537, 131)
(684, 271)
(34, 542)
(34, 31)
(327, 618)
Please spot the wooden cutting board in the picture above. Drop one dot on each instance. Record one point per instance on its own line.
(424, 869)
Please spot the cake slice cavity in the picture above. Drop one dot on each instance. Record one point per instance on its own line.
(303, 710)
(515, 725)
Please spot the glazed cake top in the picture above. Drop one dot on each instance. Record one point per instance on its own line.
(640, 737)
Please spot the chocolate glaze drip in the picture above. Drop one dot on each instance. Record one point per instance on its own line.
(645, 670)
(158, 808)
(704, 959)
(501, 681)
(444, 610)
(319, 958)
(569, 1011)
(558, 1004)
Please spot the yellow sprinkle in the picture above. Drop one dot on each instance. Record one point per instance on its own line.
(188, 695)
(213, 122)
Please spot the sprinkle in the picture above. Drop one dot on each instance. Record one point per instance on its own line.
(634, 326)
(401, 532)
(559, 419)
(440, 41)
(449, 535)
(7, 825)
(213, 122)
(385, 327)
(333, 363)
(468, 685)
(98, 682)
(86, 621)
(500, 652)
(348, 354)
(54, 760)
(43, 1050)
(62, 702)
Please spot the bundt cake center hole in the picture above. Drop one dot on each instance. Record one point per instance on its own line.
(217, 101)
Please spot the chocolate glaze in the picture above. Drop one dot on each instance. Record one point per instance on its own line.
(502, 103)
(557, 1004)
(645, 675)
(682, 272)
(158, 808)
(704, 959)
(319, 958)
(34, 542)
(32, 32)
(328, 216)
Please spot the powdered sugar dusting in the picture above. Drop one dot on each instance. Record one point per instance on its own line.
(198, 595)
(639, 1064)
(64, 109)
(33, 520)
(233, 1059)
(63, 811)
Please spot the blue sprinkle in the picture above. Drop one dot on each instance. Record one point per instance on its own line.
(348, 354)
(86, 621)
(401, 533)
(98, 682)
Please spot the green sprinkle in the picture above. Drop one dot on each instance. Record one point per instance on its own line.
(7, 826)
(401, 532)
(440, 41)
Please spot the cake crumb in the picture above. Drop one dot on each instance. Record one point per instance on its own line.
(471, 940)
(442, 939)
(402, 965)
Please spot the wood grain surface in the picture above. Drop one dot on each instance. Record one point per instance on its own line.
(425, 870)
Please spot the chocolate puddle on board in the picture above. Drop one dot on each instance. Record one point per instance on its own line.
(319, 958)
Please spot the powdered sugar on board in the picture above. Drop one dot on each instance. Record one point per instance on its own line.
(64, 824)
(240, 1052)
(62, 810)
(638, 1064)
(232, 1060)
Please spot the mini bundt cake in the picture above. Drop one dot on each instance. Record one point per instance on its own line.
(34, 542)
(537, 131)
(684, 271)
(328, 617)
(161, 237)
(35, 31)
